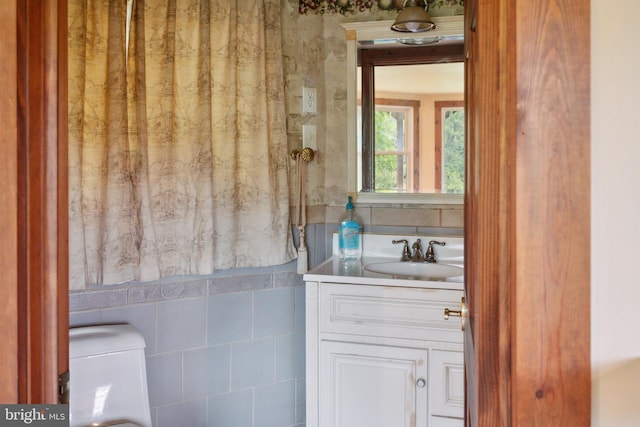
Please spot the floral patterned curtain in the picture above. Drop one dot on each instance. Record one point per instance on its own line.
(348, 7)
(178, 161)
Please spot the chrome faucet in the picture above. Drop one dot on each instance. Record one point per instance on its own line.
(431, 256)
(417, 255)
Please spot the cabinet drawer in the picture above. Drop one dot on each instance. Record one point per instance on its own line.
(391, 312)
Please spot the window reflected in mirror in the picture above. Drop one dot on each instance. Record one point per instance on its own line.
(396, 152)
(410, 120)
(449, 147)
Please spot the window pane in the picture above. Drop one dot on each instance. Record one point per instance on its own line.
(391, 172)
(391, 148)
(390, 130)
(393, 142)
(453, 129)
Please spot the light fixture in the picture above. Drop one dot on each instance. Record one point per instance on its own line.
(413, 18)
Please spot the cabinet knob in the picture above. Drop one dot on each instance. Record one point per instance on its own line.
(421, 382)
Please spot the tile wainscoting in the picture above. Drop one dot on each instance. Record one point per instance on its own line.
(228, 349)
(225, 350)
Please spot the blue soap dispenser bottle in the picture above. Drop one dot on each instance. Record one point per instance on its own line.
(350, 234)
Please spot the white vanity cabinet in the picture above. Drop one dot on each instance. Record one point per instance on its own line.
(382, 356)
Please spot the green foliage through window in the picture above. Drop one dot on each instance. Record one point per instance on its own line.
(453, 129)
(390, 158)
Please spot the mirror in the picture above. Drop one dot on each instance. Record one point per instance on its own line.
(407, 94)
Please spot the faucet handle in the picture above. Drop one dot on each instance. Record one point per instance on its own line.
(406, 254)
(431, 256)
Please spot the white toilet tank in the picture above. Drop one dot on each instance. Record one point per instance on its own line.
(108, 377)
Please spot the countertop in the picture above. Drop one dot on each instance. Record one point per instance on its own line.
(333, 270)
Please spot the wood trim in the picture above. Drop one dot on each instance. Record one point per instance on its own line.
(9, 202)
(368, 123)
(438, 150)
(403, 55)
(551, 351)
(527, 225)
(491, 119)
(43, 229)
(472, 400)
(62, 177)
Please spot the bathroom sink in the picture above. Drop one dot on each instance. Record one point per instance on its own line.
(419, 270)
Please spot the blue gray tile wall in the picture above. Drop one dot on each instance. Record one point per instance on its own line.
(226, 349)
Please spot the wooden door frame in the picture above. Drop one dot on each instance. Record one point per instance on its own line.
(33, 214)
(527, 213)
(9, 202)
(536, 371)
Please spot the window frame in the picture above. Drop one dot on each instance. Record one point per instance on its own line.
(412, 137)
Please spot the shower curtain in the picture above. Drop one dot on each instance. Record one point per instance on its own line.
(177, 140)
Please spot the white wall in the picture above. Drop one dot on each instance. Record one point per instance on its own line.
(615, 241)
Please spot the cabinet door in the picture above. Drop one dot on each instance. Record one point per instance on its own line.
(447, 383)
(372, 385)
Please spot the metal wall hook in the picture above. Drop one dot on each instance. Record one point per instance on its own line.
(307, 154)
